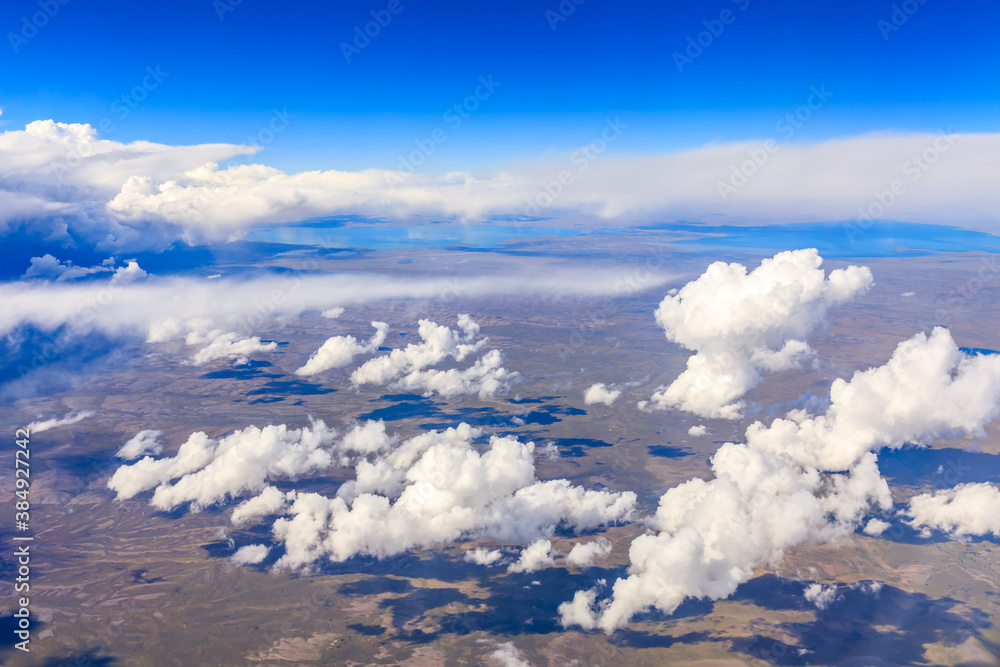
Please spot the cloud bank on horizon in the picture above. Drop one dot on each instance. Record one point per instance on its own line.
(62, 179)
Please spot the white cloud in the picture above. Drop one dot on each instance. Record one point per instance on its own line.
(741, 324)
(219, 344)
(408, 369)
(49, 267)
(333, 313)
(960, 512)
(146, 195)
(207, 471)
(251, 554)
(584, 553)
(820, 595)
(142, 443)
(507, 655)
(876, 527)
(785, 486)
(158, 308)
(49, 424)
(482, 556)
(928, 389)
(535, 556)
(434, 488)
(698, 430)
(339, 351)
(600, 393)
(269, 501)
(129, 273)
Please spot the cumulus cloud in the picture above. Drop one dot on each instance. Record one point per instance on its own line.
(339, 351)
(332, 313)
(129, 273)
(507, 655)
(600, 393)
(142, 443)
(928, 389)
(537, 555)
(251, 554)
(698, 430)
(50, 268)
(146, 195)
(876, 527)
(43, 425)
(820, 595)
(409, 368)
(481, 556)
(206, 471)
(742, 324)
(269, 501)
(434, 488)
(219, 344)
(811, 480)
(961, 512)
(584, 553)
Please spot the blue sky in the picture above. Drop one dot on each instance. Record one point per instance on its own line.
(225, 77)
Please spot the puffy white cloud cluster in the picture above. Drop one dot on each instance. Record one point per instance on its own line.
(928, 389)
(437, 488)
(584, 553)
(601, 393)
(127, 274)
(535, 556)
(410, 368)
(742, 324)
(142, 443)
(206, 471)
(43, 425)
(787, 486)
(481, 556)
(698, 430)
(49, 268)
(251, 554)
(213, 343)
(339, 351)
(433, 488)
(63, 178)
(963, 511)
(507, 655)
(820, 595)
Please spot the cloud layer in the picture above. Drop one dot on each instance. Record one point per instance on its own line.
(63, 178)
